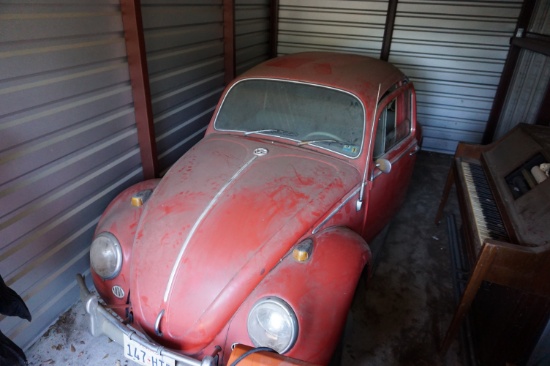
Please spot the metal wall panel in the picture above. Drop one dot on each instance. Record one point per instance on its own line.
(252, 27)
(530, 80)
(454, 51)
(526, 92)
(184, 44)
(541, 18)
(331, 25)
(68, 145)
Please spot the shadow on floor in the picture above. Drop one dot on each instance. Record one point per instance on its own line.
(402, 314)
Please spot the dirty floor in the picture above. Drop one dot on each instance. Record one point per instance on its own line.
(398, 317)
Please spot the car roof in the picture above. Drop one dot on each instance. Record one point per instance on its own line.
(357, 74)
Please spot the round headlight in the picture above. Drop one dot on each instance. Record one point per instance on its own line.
(106, 256)
(272, 323)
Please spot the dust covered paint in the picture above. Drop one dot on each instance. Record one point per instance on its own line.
(293, 145)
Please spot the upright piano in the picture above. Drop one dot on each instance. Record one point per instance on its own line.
(504, 203)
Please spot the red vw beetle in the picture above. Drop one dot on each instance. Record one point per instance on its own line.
(258, 234)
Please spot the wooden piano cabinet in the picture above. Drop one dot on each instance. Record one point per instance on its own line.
(510, 341)
(507, 293)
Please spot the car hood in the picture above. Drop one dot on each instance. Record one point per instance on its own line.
(219, 221)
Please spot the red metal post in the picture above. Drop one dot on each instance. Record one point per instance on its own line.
(274, 27)
(388, 30)
(137, 63)
(229, 40)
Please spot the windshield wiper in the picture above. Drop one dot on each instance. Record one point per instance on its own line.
(309, 142)
(272, 131)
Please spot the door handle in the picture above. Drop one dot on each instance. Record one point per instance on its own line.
(415, 150)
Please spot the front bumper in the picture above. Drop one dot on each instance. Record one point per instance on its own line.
(103, 322)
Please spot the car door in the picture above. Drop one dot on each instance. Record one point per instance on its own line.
(396, 143)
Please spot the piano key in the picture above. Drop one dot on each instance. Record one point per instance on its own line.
(487, 218)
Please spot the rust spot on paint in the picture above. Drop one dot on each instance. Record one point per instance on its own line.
(302, 179)
(145, 300)
(167, 209)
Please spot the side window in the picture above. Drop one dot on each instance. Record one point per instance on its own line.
(394, 123)
(385, 133)
(403, 127)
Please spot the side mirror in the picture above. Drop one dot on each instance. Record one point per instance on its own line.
(384, 165)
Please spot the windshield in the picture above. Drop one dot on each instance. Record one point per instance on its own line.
(306, 114)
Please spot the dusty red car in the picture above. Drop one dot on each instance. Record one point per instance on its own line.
(258, 234)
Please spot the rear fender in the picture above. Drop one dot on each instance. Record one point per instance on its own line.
(121, 219)
(320, 290)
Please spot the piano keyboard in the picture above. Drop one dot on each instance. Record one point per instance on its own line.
(487, 218)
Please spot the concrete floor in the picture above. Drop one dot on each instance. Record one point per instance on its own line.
(403, 313)
(398, 318)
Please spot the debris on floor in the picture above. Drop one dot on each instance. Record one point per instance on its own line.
(69, 343)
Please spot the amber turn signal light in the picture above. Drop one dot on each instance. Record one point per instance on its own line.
(302, 251)
(139, 198)
(137, 201)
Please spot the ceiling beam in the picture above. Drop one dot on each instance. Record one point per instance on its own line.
(533, 42)
(141, 92)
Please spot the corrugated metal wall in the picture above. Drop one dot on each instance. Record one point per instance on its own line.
(252, 33)
(68, 141)
(541, 20)
(526, 91)
(454, 51)
(331, 25)
(68, 145)
(184, 43)
(530, 80)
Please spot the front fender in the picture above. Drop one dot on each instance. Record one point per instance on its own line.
(121, 219)
(319, 290)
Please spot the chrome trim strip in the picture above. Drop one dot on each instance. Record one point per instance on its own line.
(335, 211)
(157, 323)
(196, 225)
(397, 158)
(359, 203)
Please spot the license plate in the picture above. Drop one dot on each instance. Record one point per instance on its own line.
(143, 355)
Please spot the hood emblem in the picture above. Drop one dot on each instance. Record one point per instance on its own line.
(260, 151)
(118, 291)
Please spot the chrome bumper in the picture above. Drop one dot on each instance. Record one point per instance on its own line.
(103, 322)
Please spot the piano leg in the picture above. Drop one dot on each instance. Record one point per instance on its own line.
(446, 191)
(483, 264)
